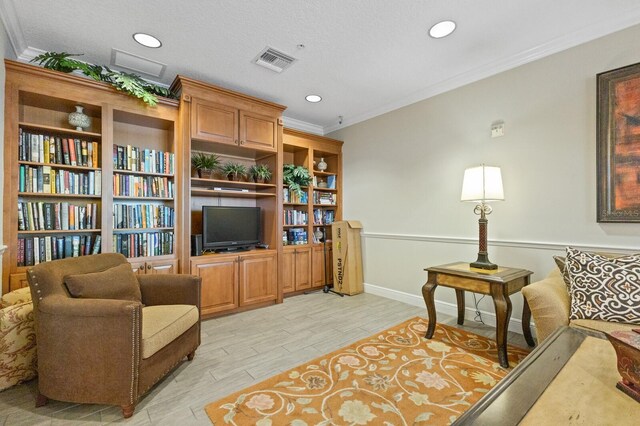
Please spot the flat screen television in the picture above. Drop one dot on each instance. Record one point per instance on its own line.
(230, 228)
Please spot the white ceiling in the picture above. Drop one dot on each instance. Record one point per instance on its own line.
(364, 57)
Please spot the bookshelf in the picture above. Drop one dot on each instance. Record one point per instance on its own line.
(305, 256)
(59, 182)
(239, 129)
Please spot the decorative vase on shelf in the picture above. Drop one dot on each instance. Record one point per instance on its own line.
(322, 166)
(318, 234)
(79, 119)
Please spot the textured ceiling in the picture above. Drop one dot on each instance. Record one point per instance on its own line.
(364, 57)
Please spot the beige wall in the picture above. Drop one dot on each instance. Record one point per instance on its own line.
(403, 171)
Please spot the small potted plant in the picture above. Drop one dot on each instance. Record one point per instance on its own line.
(205, 164)
(260, 173)
(234, 171)
(295, 177)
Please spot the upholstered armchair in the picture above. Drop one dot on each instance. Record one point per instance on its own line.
(17, 339)
(106, 335)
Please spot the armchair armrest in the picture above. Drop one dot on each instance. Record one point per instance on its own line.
(80, 338)
(550, 304)
(170, 289)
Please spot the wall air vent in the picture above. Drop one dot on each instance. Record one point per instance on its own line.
(274, 60)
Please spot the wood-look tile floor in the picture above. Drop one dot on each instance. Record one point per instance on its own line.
(237, 351)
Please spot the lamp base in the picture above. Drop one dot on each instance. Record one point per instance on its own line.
(483, 262)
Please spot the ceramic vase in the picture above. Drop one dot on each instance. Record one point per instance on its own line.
(79, 119)
(322, 166)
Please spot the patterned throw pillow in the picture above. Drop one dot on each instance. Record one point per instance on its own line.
(603, 288)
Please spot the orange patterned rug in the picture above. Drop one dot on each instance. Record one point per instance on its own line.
(394, 377)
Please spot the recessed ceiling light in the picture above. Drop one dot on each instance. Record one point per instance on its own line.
(147, 40)
(313, 98)
(442, 29)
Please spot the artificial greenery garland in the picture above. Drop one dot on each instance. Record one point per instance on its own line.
(131, 84)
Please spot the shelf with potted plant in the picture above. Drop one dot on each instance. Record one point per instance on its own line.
(231, 179)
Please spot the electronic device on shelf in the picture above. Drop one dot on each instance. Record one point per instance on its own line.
(227, 228)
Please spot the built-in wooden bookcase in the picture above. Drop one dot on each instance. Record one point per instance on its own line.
(307, 261)
(59, 182)
(240, 129)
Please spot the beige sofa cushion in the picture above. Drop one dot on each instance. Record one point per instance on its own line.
(162, 324)
(17, 345)
(20, 295)
(600, 326)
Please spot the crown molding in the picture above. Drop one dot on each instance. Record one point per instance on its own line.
(12, 26)
(303, 126)
(567, 41)
(29, 53)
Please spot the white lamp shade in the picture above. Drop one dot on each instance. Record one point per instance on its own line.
(482, 183)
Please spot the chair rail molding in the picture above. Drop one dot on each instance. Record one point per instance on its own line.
(536, 245)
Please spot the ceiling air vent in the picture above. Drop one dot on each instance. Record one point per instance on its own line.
(274, 60)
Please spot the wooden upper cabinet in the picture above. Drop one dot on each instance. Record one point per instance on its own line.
(258, 131)
(215, 122)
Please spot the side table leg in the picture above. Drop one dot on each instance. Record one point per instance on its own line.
(502, 305)
(428, 291)
(526, 324)
(460, 303)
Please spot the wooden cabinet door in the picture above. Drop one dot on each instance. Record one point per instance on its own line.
(318, 278)
(219, 290)
(163, 267)
(303, 268)
(138, 267)
(17, 281)
(258, 275)
(288, 278)
(214, 122)
(258, 131)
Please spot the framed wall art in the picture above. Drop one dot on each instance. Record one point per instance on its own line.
(618, 145)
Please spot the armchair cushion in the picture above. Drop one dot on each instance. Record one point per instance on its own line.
(162, 324)
(603, 288)
(17, 344)
(118, 283)
(15, 297)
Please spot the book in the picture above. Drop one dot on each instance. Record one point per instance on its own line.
(45, 149)
(36, 250)
(66, 156)
(85, 153)
(72, 152)
(95, 154)
(68, 249)
(46, 179)
(59, 156)
(47, 249)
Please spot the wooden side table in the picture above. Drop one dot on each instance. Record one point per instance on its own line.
(499, 283)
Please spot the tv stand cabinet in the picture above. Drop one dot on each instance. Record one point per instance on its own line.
(236, 282)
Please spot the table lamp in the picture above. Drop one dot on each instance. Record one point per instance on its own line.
(480, 185)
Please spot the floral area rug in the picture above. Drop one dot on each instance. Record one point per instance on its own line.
(396, 377)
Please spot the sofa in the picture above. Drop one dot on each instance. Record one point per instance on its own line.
(17, 339)
(550, 305)
(106, 335)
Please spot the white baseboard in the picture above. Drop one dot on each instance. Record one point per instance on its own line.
(489, 318)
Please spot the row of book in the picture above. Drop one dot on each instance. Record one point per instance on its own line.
(328, 182)
(40, 148)
(324, 198)
(295, 217)
(293, 197)
(143, 244)
(38, 216)
(295, 236)
(47, 180)
(142, 186)
(137, 159)
(142, 216)
(323, 217)
(35, 250)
